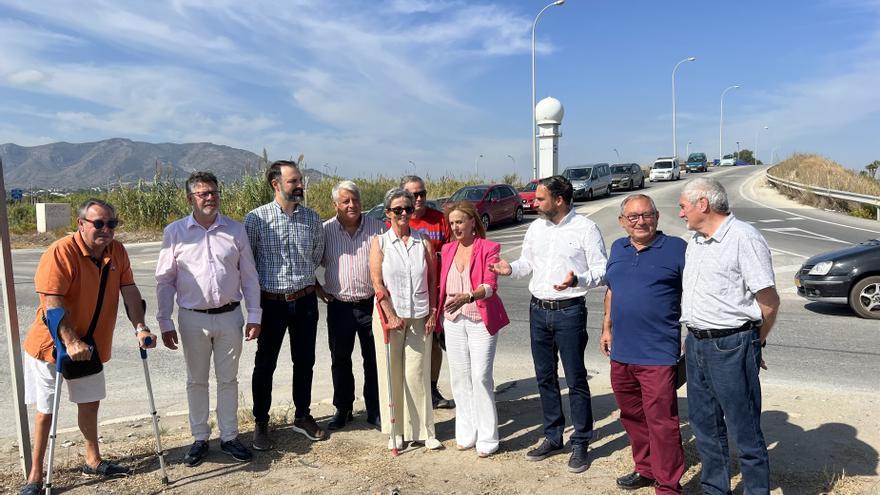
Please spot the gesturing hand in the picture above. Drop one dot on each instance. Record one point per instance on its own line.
(569, 281)
(501, 268)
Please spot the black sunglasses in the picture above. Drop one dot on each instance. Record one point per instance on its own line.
(100, 224)
(398, 210)
(420, 194)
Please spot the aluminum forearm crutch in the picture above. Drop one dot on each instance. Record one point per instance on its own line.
(53, 319)
(387, 338)
(160, 453)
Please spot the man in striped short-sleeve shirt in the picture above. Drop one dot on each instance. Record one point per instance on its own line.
(348, 293)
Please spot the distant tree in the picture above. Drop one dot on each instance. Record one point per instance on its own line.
(872, 168)
(748, 156)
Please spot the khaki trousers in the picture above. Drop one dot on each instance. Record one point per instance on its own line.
(410, 379)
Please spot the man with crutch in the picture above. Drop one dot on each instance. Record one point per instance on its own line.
(206, 261)
(69, 276)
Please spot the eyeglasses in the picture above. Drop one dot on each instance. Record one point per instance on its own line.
(645, 216)
(398, 210)
(100, 224)
(420, 194)
(206, 194)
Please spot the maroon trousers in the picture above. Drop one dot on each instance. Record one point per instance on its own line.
(649, 413)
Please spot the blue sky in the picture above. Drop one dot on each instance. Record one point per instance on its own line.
(368, 87)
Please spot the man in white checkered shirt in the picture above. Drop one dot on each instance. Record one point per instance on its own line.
(287, 240)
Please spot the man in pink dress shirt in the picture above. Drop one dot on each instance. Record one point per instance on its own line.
(206, 261)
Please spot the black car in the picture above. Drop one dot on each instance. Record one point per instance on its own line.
(846, 276)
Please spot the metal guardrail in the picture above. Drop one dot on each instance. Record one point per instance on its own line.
(828, 193)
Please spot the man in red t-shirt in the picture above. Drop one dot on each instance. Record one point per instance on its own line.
(431, 223)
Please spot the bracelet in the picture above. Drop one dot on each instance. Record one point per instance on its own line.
(471, 297)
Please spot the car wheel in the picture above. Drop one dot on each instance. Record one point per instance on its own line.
(589, 195)
(864, 297)
(485, 219)
(642, 185)
(608, 191)
(518, 216)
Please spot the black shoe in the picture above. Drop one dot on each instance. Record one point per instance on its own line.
(578, 462)
(31, 489)
(440, 402)
(105, 469)
(307, 426)
(375, 420)
(238, 451)
(196, 454)
(634, 481)
(340, 419)
(262, 441)
(543, 451)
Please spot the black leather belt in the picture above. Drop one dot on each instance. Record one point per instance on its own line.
(216, 311)
(557, 304)
(715, 333)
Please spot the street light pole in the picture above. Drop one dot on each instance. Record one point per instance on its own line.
(721, 124)
(756, 143)
(534, 129)
(476, 161)
(687, 151)
(674, 146)
(737, 152)
(618, 155)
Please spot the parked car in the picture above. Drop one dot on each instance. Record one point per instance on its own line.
(589, 181)
(732, 161)
(627, 176)
(666, 168)
(378, 211)
(527, 197)
(495, 202)
(697, 163)
(846, 276)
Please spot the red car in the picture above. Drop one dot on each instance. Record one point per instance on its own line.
(527, 197)
(495, 202)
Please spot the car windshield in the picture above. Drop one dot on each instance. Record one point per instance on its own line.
(530, 187)
(469, 194)
(697, 157)
(579, 173)
(663, 165)
(729, 157)
(620, 169)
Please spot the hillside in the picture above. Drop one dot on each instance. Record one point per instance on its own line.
(84, 165)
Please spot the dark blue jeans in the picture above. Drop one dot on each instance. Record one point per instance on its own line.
(345, 321)
(300, 319)
(724, 393)
(562, 334)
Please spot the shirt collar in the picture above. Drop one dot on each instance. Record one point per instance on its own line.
(342, 227)
(659, 239)
(84, 250)
(722, 230)
(567, 218)
(219, 221)
(281, 210)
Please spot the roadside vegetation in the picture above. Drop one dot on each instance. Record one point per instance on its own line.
(818, 171)
(147, 207)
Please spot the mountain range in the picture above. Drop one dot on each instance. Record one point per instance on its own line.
(72, 166)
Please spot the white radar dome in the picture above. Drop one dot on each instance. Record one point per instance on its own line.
(549, 110)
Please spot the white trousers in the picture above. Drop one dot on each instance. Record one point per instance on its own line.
(470, 352)
(410, 379)
(201, 336)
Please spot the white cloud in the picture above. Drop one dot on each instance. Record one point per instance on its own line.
(26, 77)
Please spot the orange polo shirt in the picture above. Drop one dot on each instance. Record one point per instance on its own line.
(66, 269)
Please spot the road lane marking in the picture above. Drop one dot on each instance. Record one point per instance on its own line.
(771, 220)
(796, 232)
(757, 175)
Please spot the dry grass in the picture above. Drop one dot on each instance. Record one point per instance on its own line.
(818, 171)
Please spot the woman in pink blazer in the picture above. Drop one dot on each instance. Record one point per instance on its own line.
(472, 316)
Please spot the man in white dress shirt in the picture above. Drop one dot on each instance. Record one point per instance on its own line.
(565, 254)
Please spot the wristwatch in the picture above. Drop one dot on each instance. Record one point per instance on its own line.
(471, 298)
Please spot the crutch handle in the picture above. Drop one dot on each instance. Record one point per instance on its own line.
(147, 341)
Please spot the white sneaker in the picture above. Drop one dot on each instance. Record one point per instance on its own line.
(432, 444)
(399, 442)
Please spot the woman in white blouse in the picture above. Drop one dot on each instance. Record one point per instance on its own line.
(404, 273)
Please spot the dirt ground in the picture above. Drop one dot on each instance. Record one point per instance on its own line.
(820, 441)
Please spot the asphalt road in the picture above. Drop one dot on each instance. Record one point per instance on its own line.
(811, 345)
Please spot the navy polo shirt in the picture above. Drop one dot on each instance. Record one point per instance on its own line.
(646, 300)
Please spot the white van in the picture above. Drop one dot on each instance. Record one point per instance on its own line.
(666, 168)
